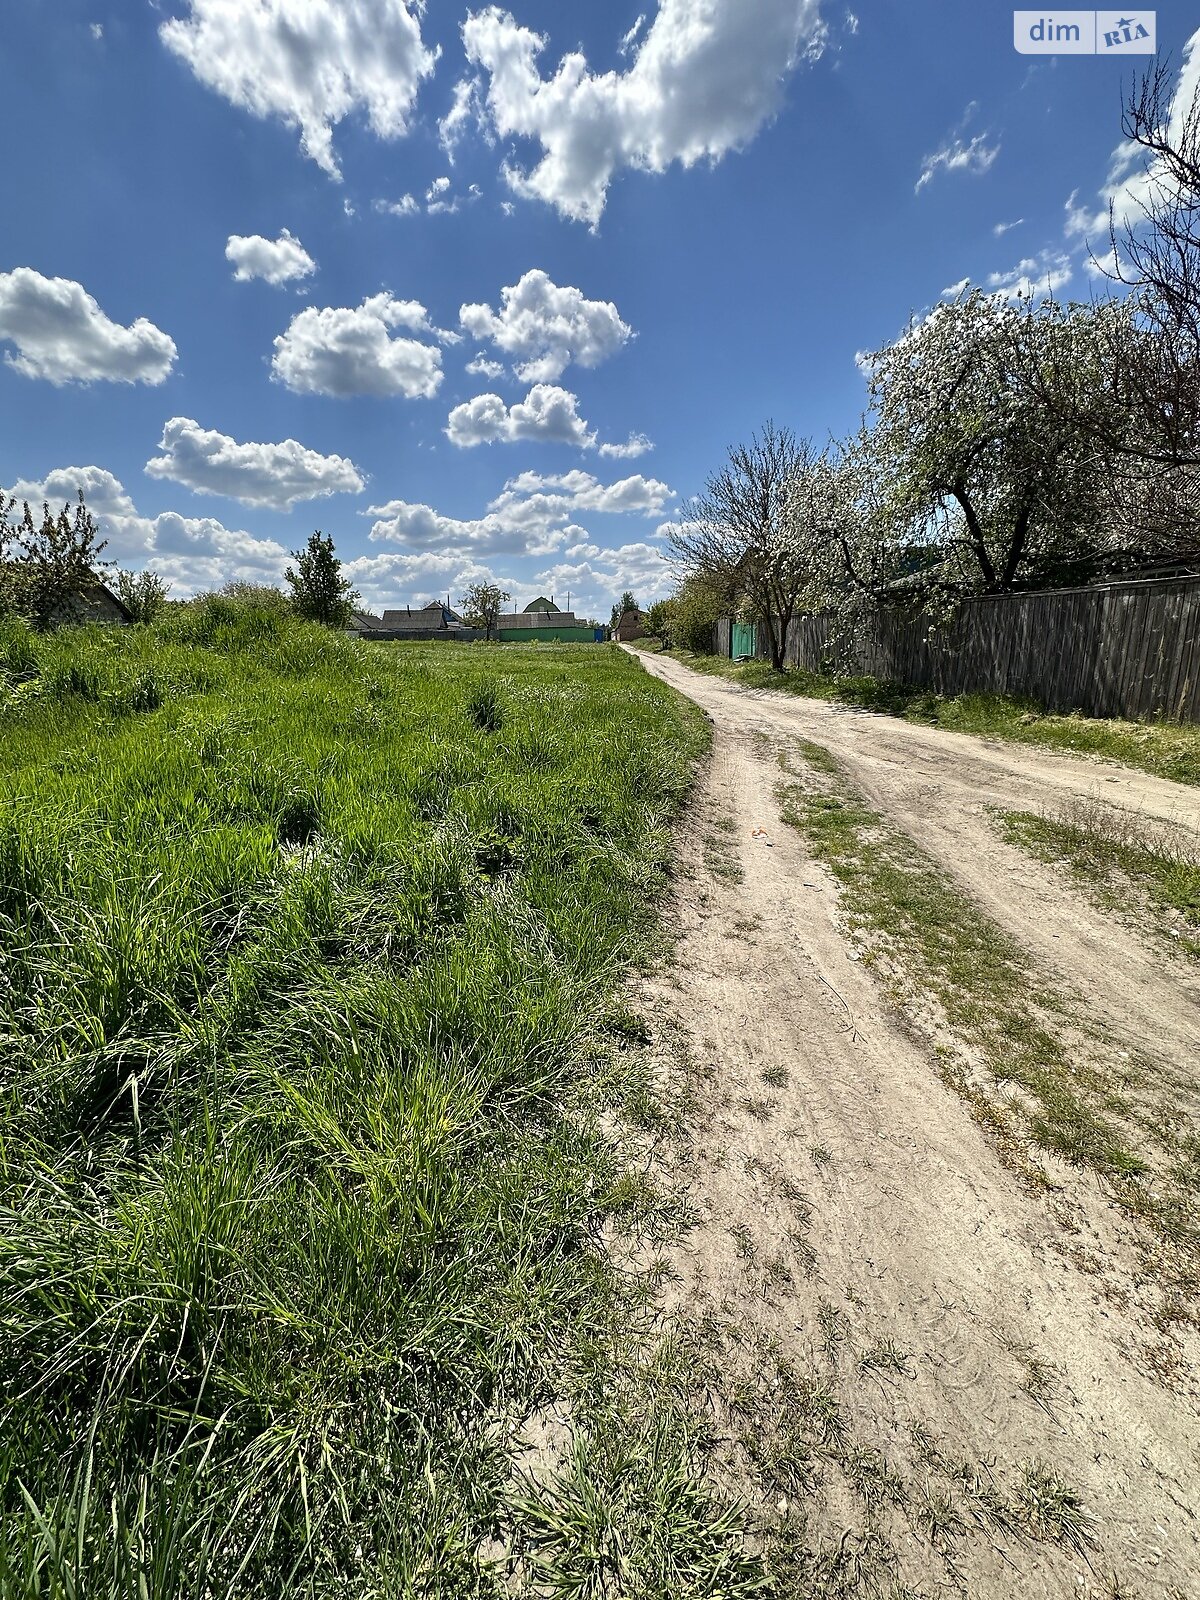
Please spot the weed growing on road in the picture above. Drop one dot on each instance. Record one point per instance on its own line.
(938, 944)
(1166, 749)
(1124, 860)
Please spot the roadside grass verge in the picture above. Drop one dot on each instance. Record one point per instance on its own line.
(1164, 749)
(1007, 1041)
(1124, 861)
(321, 1164)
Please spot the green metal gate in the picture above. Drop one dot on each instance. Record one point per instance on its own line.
(743, 641)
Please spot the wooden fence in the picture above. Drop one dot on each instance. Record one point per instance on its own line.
(1112, 650)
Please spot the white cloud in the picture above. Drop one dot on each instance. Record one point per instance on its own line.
(466, 111)
(974, 157)
(391, 579)
(421, 528)
(953, 290)
(1135, 186)
(597, 577)
(406, 206)
(547, 413)
(530, 495)
(310, 63)
(546, 327)
(1042, 275)
(103, 492)
(483, 367)
(437, 188)
(1001, 228)
(1130, 189)
(339, 350)
(532, 515)
(192, 553)
(637, 444)
(62, 335)
(97, 30)
(705, 78)
(274, 260)
(275, 475)
(628, 40)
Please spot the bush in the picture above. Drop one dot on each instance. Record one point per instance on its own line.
(485, 708)
(143, 594)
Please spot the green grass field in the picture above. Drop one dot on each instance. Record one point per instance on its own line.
(311, 1146)
(1166, 749)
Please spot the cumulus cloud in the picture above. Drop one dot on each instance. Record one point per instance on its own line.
(1135, 187)
(628, 40)
(706, 76)
(310, 64)
(532, 515)
(275, 475)
(595, 576)
(637, 444)
(547, 413)
(275, 261)
(1044, 274)
(407, 206)
(466, 111)
(339, 350)
(545, 327)
(483, 367)
(104, 493)
(975, 157)
(61, 334)
(192, 553)
(393, 579)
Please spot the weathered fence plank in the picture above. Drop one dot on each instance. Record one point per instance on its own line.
(1112, 650)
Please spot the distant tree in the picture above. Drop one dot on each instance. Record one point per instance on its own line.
(319, 592)
(56, 562)
(143, 594)
(10, 572)
(482, 604)
(757, 534)
(627, 602)
(699, 606)
(660, 620)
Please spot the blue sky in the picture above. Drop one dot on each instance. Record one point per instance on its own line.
(478, 304)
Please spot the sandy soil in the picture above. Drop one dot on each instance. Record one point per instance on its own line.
(860, 1238)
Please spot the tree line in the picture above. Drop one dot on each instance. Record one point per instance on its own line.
(1007, 443)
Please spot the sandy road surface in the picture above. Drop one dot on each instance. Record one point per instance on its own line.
(853, 1213)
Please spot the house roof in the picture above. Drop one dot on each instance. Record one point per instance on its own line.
(540, 604)
(537, 619)
(434, 615)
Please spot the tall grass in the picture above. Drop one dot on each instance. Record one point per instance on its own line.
(306, 1145)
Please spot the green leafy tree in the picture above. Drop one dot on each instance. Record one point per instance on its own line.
(482, 604)
(627, 602)
(143, 594)
(56, 562)
(660, 621)
(699, 606)
(319, 592)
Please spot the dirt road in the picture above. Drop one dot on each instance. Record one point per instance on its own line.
(928, 1372)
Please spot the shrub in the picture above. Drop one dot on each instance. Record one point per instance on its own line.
(485, 708)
